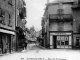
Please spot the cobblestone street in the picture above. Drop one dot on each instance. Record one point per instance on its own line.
(35, 51)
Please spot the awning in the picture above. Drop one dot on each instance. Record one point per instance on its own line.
(6, 31)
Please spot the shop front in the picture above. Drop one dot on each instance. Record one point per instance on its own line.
(6, 41)
(61, 40)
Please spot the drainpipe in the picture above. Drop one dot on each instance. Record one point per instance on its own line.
(48, 44)
(15, 25)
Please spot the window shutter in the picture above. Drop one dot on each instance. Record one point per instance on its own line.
(9, 24)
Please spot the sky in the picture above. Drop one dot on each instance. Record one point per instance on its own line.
(35, 11)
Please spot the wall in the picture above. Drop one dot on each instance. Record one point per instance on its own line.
(11, 10)
(53, 26)
(76, 17)
(20, 22)
(66, 26)
(53, 9)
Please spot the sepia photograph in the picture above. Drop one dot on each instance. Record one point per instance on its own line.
(39, 29)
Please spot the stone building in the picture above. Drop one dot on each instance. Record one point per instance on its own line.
(76, 23)
(60, 24)
(7, 26)
(20, 21)
(12, 16)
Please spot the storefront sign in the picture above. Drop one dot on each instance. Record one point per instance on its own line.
(64, 16)
(60, 33)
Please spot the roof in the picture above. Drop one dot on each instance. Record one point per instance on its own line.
(58, 1)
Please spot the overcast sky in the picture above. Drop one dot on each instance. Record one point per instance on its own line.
(35, 11)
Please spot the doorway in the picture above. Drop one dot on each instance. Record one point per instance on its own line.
(54, 41)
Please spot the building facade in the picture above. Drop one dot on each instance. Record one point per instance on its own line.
(7, 26)
(20, 22)
(12, 17)
(59, 24)
(76, 22)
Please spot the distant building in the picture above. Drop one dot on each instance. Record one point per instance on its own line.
(60, 24)
(20, 21)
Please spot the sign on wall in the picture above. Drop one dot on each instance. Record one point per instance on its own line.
(60, 33)
(57, 16)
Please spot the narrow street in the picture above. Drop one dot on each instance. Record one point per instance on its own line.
(34, 47)
(35, 52)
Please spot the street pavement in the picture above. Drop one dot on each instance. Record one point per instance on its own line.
(35, 52)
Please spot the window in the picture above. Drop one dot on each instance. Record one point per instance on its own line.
(62, 42)
(60, 26)
(78, 2)
(66, 43)
(58, 42)
(60, 11)
(2, 16)
(9, 20)
(10, 2)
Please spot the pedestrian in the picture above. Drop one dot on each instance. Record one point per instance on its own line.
(25, 45)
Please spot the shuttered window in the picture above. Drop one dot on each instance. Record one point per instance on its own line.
(9, 24)
(2, 16)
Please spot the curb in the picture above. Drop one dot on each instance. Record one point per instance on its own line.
(42, 47)
(7, 54)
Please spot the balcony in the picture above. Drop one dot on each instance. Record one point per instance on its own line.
(22, 13)
(60, 17)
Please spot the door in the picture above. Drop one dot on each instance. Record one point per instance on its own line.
(77, 43)
(8, 43)
(1, 44)
(54, 39)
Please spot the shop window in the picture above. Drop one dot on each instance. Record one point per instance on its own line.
(58, 42)
(62, 42)
(66, 43)
(62, 37)
(66, 38)
(10, 2)
(58, 38)
(9, 20)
